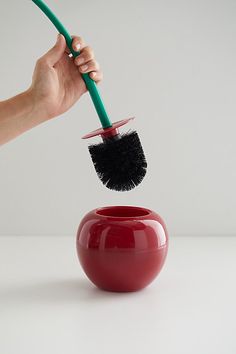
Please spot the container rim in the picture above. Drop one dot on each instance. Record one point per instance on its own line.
(123, 212)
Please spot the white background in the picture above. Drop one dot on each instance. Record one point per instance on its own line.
(172, 65)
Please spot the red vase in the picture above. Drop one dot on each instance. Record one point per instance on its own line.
(122, 248)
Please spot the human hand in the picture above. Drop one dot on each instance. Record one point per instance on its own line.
(57, 82)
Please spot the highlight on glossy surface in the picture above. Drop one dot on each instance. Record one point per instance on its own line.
(122, 248)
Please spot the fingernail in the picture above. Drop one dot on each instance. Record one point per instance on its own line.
(84, 67)
(77, 46)
(93, 75)
(79, 60)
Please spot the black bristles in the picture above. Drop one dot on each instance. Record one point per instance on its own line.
(119, 163)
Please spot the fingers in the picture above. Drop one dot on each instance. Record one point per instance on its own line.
(97, 76)
(78, 44)
(87, 64)
(86, 55)
(85, 61)
(92, 67)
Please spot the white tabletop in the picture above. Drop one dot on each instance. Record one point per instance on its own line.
(49, 307)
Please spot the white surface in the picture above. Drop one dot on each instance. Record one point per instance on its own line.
(48, 305)
(169, 63)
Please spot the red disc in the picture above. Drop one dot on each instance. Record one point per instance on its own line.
(113, 130)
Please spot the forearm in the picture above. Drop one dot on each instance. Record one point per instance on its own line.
(17, 115)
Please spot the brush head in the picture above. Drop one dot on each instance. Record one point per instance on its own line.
(119, 161)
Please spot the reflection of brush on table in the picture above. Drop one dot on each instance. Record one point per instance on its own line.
(119, 160)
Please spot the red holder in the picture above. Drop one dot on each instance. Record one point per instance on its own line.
(107, 132)
(122, 248)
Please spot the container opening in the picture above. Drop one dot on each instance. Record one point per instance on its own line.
(123, 211)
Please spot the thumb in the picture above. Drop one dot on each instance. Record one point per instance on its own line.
(56, 52)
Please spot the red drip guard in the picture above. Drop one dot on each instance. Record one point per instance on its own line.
(113, 130)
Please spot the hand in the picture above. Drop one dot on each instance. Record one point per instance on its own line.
(57, 82)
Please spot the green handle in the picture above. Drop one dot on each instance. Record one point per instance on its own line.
(90, 84)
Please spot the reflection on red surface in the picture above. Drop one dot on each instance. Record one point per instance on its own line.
(122, 248)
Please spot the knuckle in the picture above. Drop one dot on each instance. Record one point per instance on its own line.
(89, 52)
(93, 64)
(100, 76)
(96, 64)
(78, 39)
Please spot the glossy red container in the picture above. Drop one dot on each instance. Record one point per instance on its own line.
(122, 248)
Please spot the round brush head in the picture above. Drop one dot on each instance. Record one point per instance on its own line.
(119, 161)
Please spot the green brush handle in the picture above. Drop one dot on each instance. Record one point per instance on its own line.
(90, 84)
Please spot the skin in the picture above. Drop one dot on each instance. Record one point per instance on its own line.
(56, 86)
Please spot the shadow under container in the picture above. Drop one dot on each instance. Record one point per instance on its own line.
(122, 248)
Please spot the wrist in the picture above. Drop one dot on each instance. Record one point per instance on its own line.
(36, 109)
